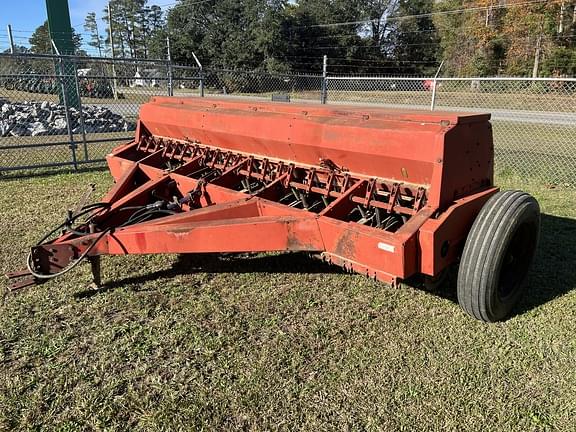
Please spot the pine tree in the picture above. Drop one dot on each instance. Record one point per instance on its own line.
(91, 26)
(40, 42)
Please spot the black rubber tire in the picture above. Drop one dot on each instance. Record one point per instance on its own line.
(498, 254)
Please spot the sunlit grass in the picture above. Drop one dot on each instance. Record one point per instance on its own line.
(275, 341)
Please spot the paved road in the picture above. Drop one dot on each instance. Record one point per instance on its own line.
(530, 117)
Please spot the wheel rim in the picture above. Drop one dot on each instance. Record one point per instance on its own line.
(517, 259)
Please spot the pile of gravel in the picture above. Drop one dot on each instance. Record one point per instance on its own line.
(48, 118)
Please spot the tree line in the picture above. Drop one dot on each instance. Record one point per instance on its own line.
(409, 37)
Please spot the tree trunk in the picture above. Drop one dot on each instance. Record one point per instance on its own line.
(537, 57)
(561, 19)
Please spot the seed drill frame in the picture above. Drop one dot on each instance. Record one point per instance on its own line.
(389, 194)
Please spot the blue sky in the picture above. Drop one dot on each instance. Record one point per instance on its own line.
(26, 15)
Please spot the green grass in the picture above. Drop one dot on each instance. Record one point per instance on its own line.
(275, 341)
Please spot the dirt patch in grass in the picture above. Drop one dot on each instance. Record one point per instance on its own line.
(275, 341)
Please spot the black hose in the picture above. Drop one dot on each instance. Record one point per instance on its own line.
(71, 266)
(134, 216)
(141, 214)
(66, 224)
(145, 216)
(97, 206)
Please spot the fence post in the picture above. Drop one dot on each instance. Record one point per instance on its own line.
(201, 82)
(10, 39)
(434, 84)
(200, 74)
(433, 102)
(324, 90)
(111, 33)
(170, 79)
(81, 112)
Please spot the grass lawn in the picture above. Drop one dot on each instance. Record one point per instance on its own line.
(275, 341)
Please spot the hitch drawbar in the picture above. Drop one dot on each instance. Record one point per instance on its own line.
(389, 194)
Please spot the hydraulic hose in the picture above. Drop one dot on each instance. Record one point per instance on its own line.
(71, 266)
(85, 210)
(141, 214)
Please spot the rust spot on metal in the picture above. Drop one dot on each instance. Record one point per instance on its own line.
(293, 242)
(299, 239)
(346, 245)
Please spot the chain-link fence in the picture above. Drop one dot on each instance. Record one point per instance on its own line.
(534, 120)
(70, 111)
(59, 111)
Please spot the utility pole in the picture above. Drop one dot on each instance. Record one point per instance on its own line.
(168, 48)
(114, 83)
(200, 73)
(538, 49)
(61, 34)
(99, 43)
(11, 39)
(434, 86)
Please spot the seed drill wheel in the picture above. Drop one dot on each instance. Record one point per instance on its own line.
(497, 255)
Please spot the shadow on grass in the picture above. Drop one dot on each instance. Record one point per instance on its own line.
(228, 263)
(552, 275)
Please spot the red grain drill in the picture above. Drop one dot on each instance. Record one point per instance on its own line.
(386, 193)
